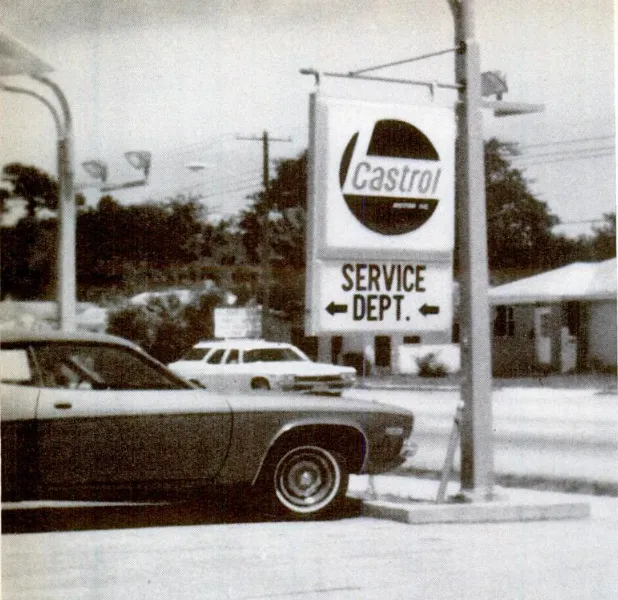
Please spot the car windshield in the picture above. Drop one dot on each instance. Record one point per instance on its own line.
(197, 353)
(272, 355)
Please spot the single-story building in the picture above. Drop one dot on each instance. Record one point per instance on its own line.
(560, 321)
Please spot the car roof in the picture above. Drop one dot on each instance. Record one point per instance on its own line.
(242, 343)
(17, 335)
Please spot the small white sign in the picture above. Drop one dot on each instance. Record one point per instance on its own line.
(238, 322)
(382, 296)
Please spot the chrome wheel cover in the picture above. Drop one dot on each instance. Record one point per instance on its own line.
(307, 479)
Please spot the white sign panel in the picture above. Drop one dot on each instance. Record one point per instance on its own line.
(238, 322)
(383, 177)
(383, 296)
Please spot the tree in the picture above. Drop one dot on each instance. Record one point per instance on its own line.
(33, 185)
(283, 211)
(604, 242)
(519, 226)
(287, 203)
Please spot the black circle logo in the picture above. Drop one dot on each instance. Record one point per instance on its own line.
(384, 187)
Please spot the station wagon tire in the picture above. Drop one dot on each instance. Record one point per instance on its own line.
(260, 384)
(308, 481)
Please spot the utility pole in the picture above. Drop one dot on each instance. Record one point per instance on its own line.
(265, 242)
(476, 423)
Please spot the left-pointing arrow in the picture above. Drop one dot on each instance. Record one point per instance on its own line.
(333, 308)
(427, 309)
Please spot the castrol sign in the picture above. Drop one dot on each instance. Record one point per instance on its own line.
(381, 217)
(390, 181)
(383, 175)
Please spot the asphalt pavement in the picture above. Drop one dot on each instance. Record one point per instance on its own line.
(171, 554)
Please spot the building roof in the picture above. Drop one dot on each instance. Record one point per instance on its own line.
(577, 281)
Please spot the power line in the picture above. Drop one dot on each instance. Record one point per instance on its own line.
(566, 158)
(582, 222)
(573, 141)
(564, 152)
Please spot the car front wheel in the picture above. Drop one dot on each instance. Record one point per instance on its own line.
(309, 480)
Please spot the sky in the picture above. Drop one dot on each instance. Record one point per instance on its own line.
(185, 80)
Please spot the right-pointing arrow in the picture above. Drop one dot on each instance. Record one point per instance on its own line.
(427, 309)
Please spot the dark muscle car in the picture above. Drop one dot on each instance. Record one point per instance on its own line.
(86, 413)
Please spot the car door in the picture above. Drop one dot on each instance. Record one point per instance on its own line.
(108, 416)
(19, 395)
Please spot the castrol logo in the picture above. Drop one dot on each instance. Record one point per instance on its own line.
(390, 177)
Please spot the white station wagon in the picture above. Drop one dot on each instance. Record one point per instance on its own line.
(260, 365)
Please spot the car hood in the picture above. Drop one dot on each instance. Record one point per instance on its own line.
(308, 403)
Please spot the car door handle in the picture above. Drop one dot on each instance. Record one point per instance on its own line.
(63, 405)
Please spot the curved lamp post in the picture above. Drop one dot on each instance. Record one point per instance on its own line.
(16, 59)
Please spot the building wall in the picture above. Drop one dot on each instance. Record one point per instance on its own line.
(560, 337)
(602, 333)
(513, 341)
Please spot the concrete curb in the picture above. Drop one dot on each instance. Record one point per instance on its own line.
(478, 512)
(413, 500)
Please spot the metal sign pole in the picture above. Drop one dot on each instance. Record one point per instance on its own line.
(476, 425)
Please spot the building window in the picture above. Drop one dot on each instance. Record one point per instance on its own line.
(382, 345)
(504, 323)
(411, 339)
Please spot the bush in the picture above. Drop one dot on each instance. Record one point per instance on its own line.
(430, 366)
(165, 327)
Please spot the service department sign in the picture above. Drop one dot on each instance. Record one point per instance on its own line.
(383, 176)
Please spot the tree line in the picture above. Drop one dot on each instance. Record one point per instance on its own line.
(122, 250)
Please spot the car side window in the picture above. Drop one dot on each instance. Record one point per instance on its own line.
(232, 357)
(252, 356)
(90, 366)
(216, 356)
(15, 366)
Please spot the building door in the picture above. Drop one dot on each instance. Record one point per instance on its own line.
(542, 334)
(382, 346)
(571, 315)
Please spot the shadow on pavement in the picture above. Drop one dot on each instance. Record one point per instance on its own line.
(85, 516)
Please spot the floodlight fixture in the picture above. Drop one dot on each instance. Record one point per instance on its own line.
(97, 169)
(140, 160)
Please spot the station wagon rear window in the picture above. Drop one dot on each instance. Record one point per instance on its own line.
(15, 366)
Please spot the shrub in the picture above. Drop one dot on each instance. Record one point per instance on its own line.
(164, 327)
(430, 366)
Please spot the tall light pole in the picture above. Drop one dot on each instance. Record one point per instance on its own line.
(475, 339)
(476, 424)
(16, 59)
